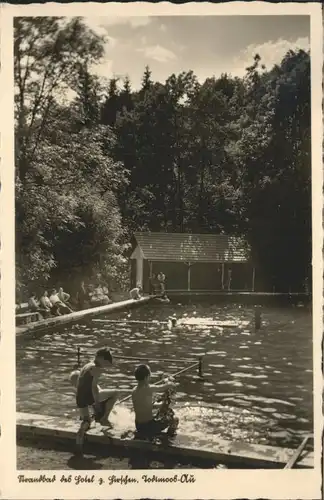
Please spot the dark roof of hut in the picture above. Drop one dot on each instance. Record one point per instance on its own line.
(192, 247)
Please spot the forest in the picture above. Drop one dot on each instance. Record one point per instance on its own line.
(96, 160)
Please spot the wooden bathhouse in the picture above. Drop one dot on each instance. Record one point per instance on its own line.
(192, 262)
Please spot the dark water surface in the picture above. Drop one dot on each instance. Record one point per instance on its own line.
(257, 386)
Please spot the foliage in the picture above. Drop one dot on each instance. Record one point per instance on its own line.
(67, 216)
(229, 156)
(273, 153)
(95, 162)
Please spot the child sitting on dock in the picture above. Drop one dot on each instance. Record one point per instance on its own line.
(142, 396)
(136, 293)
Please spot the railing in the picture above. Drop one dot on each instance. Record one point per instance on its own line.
(197, 363)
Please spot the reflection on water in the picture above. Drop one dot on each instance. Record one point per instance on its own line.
(257, 386)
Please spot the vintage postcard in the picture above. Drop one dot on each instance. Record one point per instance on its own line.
(161, 251)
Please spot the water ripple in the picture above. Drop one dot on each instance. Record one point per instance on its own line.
(268, 373)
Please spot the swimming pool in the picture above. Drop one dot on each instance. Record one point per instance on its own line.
(257, 386)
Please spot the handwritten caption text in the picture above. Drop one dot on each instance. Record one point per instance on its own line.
(108, 480)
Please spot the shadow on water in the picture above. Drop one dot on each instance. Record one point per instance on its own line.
(257, 386)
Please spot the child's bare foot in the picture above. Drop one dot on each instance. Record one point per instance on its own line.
(79, 442)
(173, 427)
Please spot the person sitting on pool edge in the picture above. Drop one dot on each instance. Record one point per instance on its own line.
(136, 293)
(142, 397)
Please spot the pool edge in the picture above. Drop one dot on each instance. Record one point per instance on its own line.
(47, 325)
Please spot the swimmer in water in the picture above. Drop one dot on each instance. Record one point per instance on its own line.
(175, 325)
(172, 322)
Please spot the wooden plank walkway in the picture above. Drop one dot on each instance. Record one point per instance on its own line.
(77, 316)
(196, 446)
(181, 322)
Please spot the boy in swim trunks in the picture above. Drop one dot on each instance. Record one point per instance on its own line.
(142, 397)
(89, 393)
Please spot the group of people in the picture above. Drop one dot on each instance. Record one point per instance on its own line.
(157, 284)
(94, 295)
(91, 397)
(54, 304)
(57, 303)
(156, 287)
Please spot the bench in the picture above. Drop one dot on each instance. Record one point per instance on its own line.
(26, 318)
(22, 308)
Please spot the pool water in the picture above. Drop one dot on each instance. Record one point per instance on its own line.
(257, 386)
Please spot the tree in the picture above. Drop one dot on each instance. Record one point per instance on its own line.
(88, 89)
(111, 105)
(146, 80)
(67, 215)
(273, 156)
(229, 155)
(48, 53)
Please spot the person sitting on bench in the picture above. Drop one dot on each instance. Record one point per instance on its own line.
(47, 304)
(98, 297)
(34, 306)
(64, 297)
(58, 304)
(146, 423)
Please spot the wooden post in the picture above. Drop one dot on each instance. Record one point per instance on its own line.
(139, 271)
(200, 367)
(229, 278)
(257, 319)
(79, 356)
(189, 276)
(223, 270)
(150, 287)
(253, 279)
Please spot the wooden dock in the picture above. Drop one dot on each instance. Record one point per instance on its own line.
(48, 324)
(240, 296)
(55, 430)
(203, 323)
